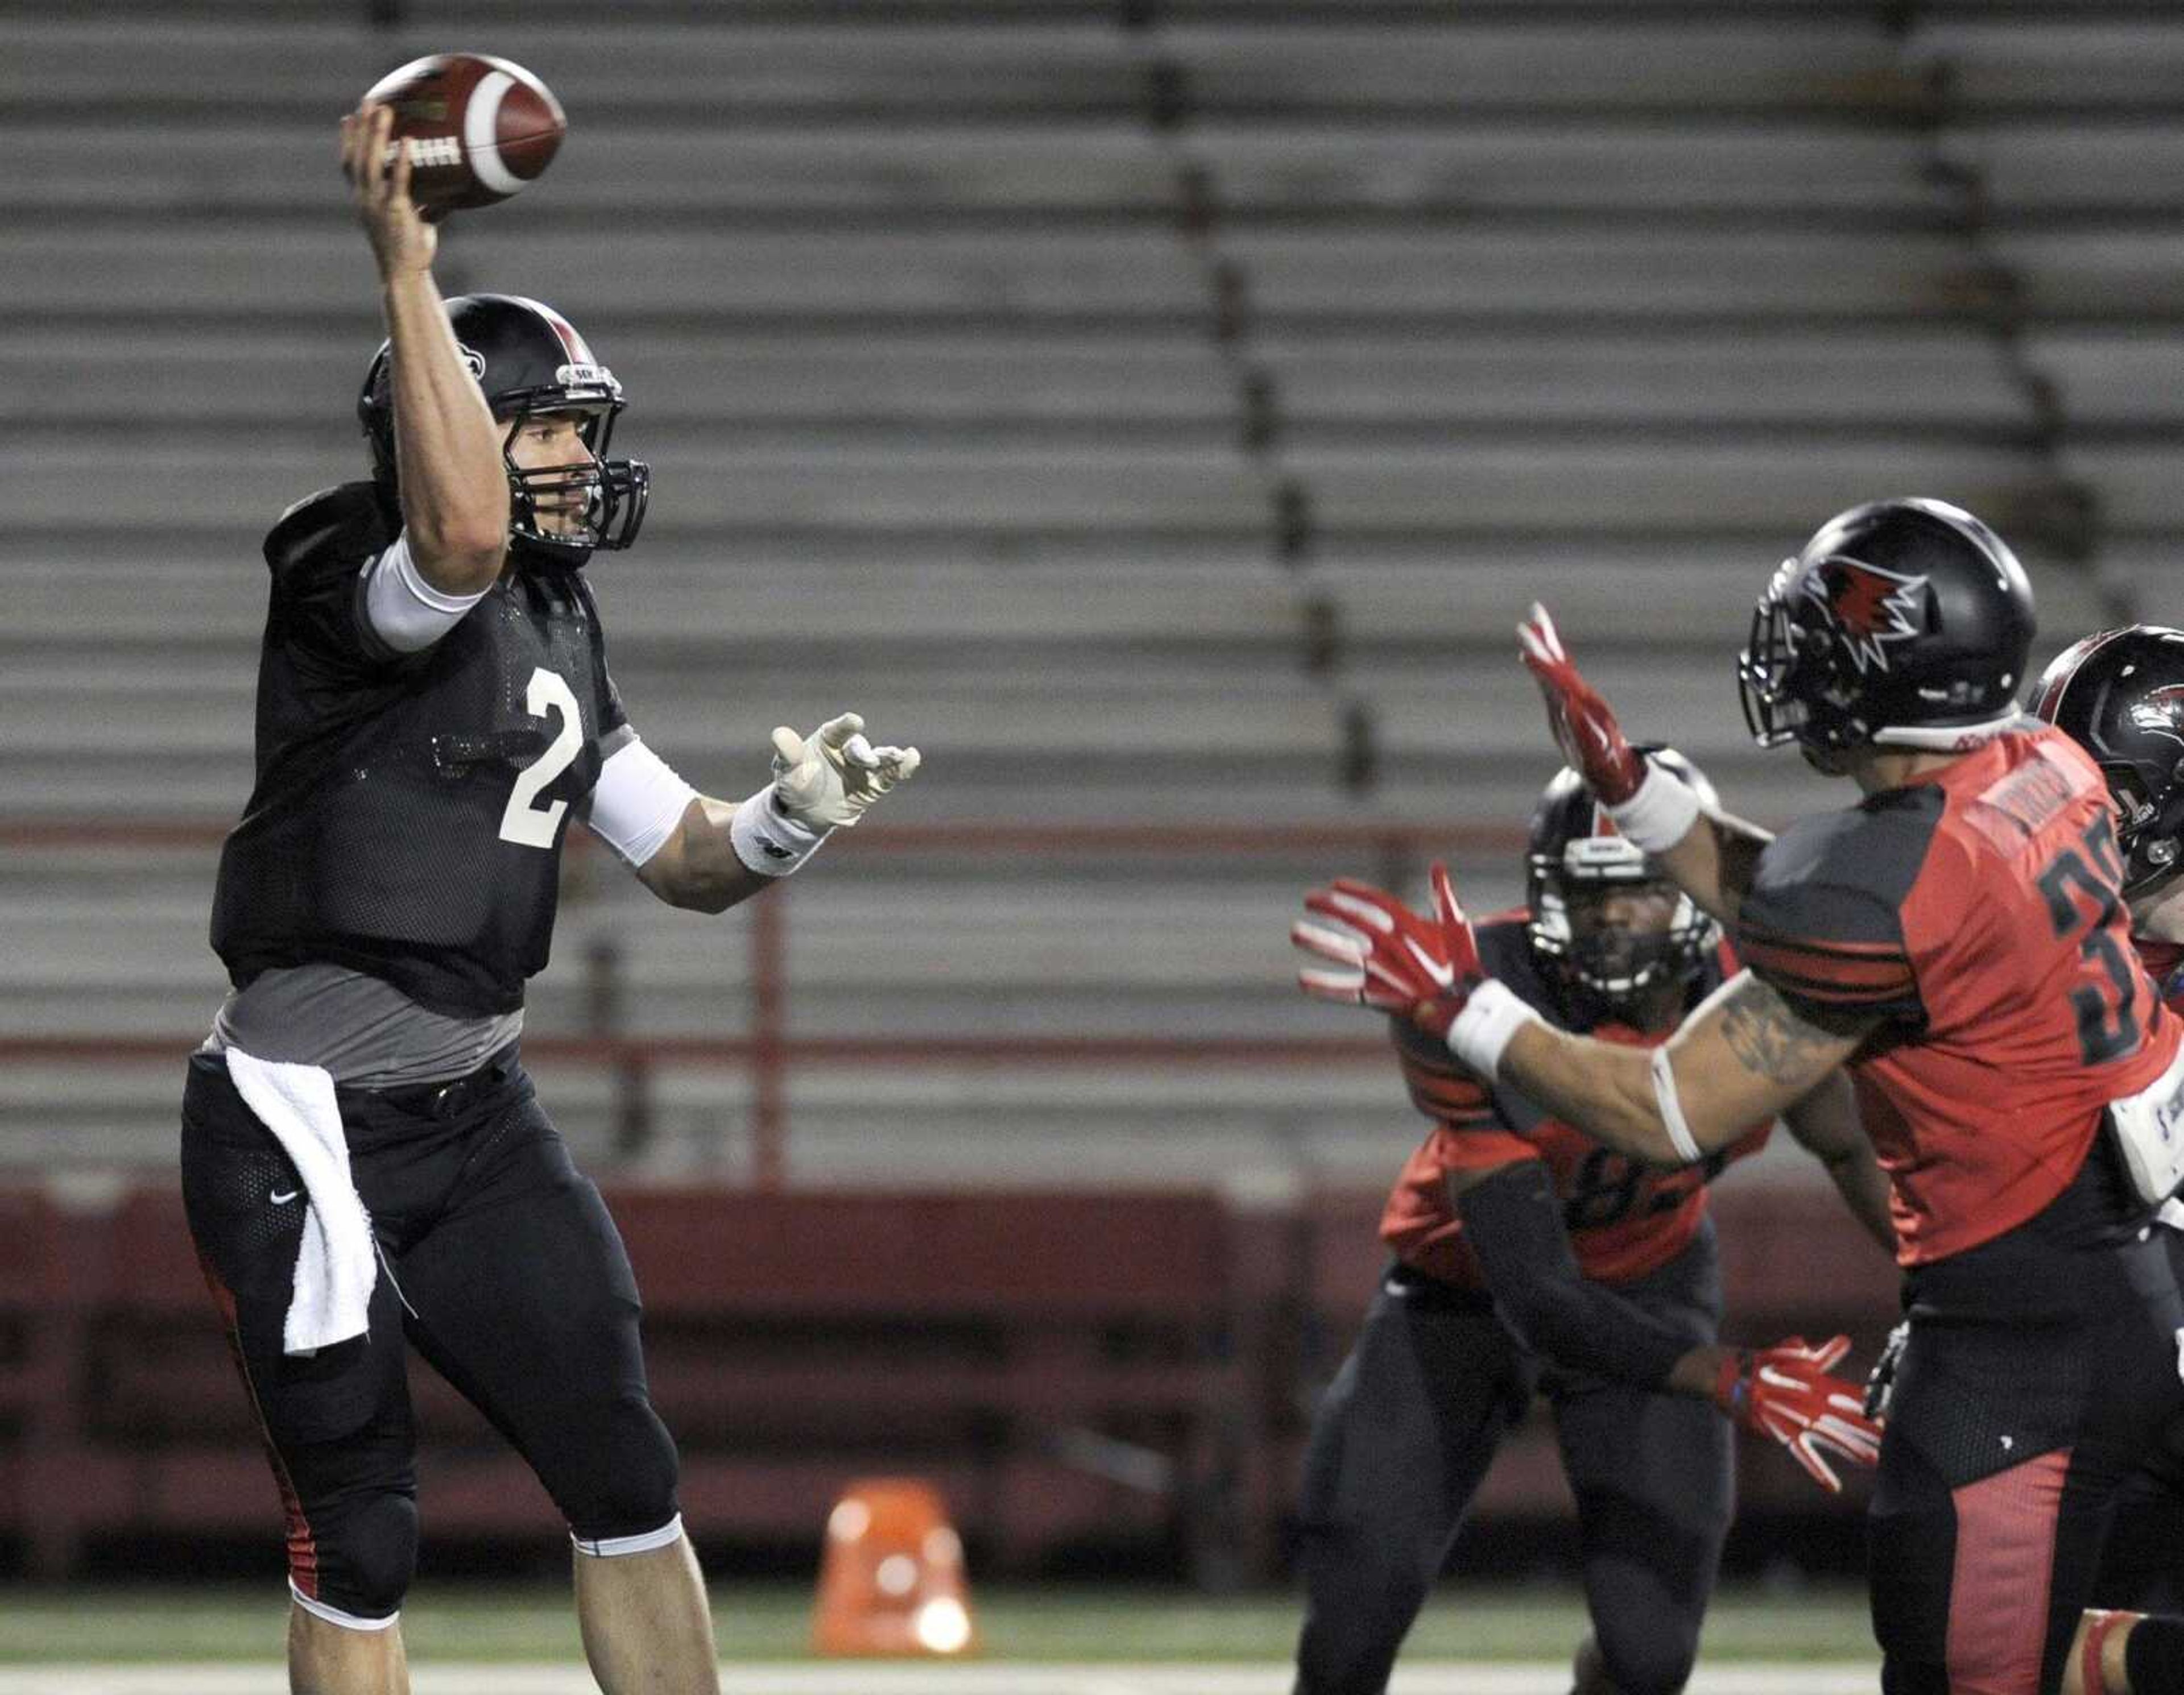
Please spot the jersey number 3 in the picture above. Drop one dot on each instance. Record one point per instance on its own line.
(2107, 1007)
(525, 822)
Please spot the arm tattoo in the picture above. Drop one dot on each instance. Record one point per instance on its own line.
(1770, 1040)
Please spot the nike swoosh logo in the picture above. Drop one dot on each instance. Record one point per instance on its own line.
(281, 1200)
(1442, 976)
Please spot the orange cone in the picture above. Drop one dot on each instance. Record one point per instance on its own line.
(891, 1581)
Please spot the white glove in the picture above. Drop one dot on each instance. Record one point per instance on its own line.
(829, 780)
(819, 785)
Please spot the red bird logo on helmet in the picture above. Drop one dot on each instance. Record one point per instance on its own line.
(2162, 711)
(1869, 608)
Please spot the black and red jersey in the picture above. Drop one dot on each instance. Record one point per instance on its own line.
(1624, 1218)
(1976, 911)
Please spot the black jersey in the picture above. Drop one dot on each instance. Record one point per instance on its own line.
(410, 808)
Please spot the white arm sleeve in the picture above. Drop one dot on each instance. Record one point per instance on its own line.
(407, 613)
(637, 802)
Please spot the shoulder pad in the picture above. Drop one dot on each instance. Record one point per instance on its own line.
(1822, 923)
(347, 520)
(1853, 866)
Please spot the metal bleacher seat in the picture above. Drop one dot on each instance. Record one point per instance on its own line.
(1476, 167)
(2003, 59)
(1679, 386)
(1288, 60)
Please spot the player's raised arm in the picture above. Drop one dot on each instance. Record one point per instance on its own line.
(1707, 853)
(453, 483)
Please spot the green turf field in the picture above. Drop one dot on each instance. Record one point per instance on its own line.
(768, 1623)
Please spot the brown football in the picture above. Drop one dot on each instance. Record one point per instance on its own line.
(478, 130)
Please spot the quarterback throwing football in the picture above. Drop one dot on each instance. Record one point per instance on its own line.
(364, 1162)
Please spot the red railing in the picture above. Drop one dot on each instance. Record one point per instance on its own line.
(1388, 851)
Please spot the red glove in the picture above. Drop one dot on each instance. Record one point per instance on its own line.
(1583, 724)
(1784, 1392)
(1392, 958)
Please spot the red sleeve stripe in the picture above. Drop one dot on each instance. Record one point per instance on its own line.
(1450, 1105)
(1878, 979)
(1465, 1121)
(1842, 994)
(1455, 1085)
(1750, 936)
(1837, 996)
(1418, 1072)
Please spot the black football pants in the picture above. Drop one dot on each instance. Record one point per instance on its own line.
(2142, 1566)
(500, 1265)
(2040, 1380)
(1407, 1432)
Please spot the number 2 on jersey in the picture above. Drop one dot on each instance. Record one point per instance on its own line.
(525, 822)
(2107, 1011)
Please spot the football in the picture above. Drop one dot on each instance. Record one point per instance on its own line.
(478, 130)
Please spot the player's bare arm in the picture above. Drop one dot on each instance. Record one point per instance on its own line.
(1743, 1056)
(454, 486)
(1826, 1125)
(1709, 854)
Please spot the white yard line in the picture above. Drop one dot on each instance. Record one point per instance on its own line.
(878, 1678)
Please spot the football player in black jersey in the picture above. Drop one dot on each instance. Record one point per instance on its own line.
(364, 1160)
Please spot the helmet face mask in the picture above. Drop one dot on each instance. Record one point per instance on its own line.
(1604, 920)
(1601, 944)
(2119, 695)
(531, 362)
(579, 505)
(1902, 622)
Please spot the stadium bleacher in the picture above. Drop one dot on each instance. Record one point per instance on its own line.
(1190, 394)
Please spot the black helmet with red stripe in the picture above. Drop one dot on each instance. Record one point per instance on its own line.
(1900, 623)
(2119, 695)
(1575, 854)
(529, 360)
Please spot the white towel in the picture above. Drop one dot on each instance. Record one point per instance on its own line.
(337, 1264)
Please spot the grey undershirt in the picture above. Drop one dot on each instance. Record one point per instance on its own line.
(368, 1034)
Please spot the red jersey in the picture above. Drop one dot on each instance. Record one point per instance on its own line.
(1624, 1218)
(1977, 910)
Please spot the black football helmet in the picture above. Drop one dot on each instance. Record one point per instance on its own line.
(2119, 695)
(1901, 624)
(1574, 850)
(528, 359)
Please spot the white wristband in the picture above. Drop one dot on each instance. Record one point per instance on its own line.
(1672, 1110)
(1489, 1019)
(1660, 814)
(767, 840)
